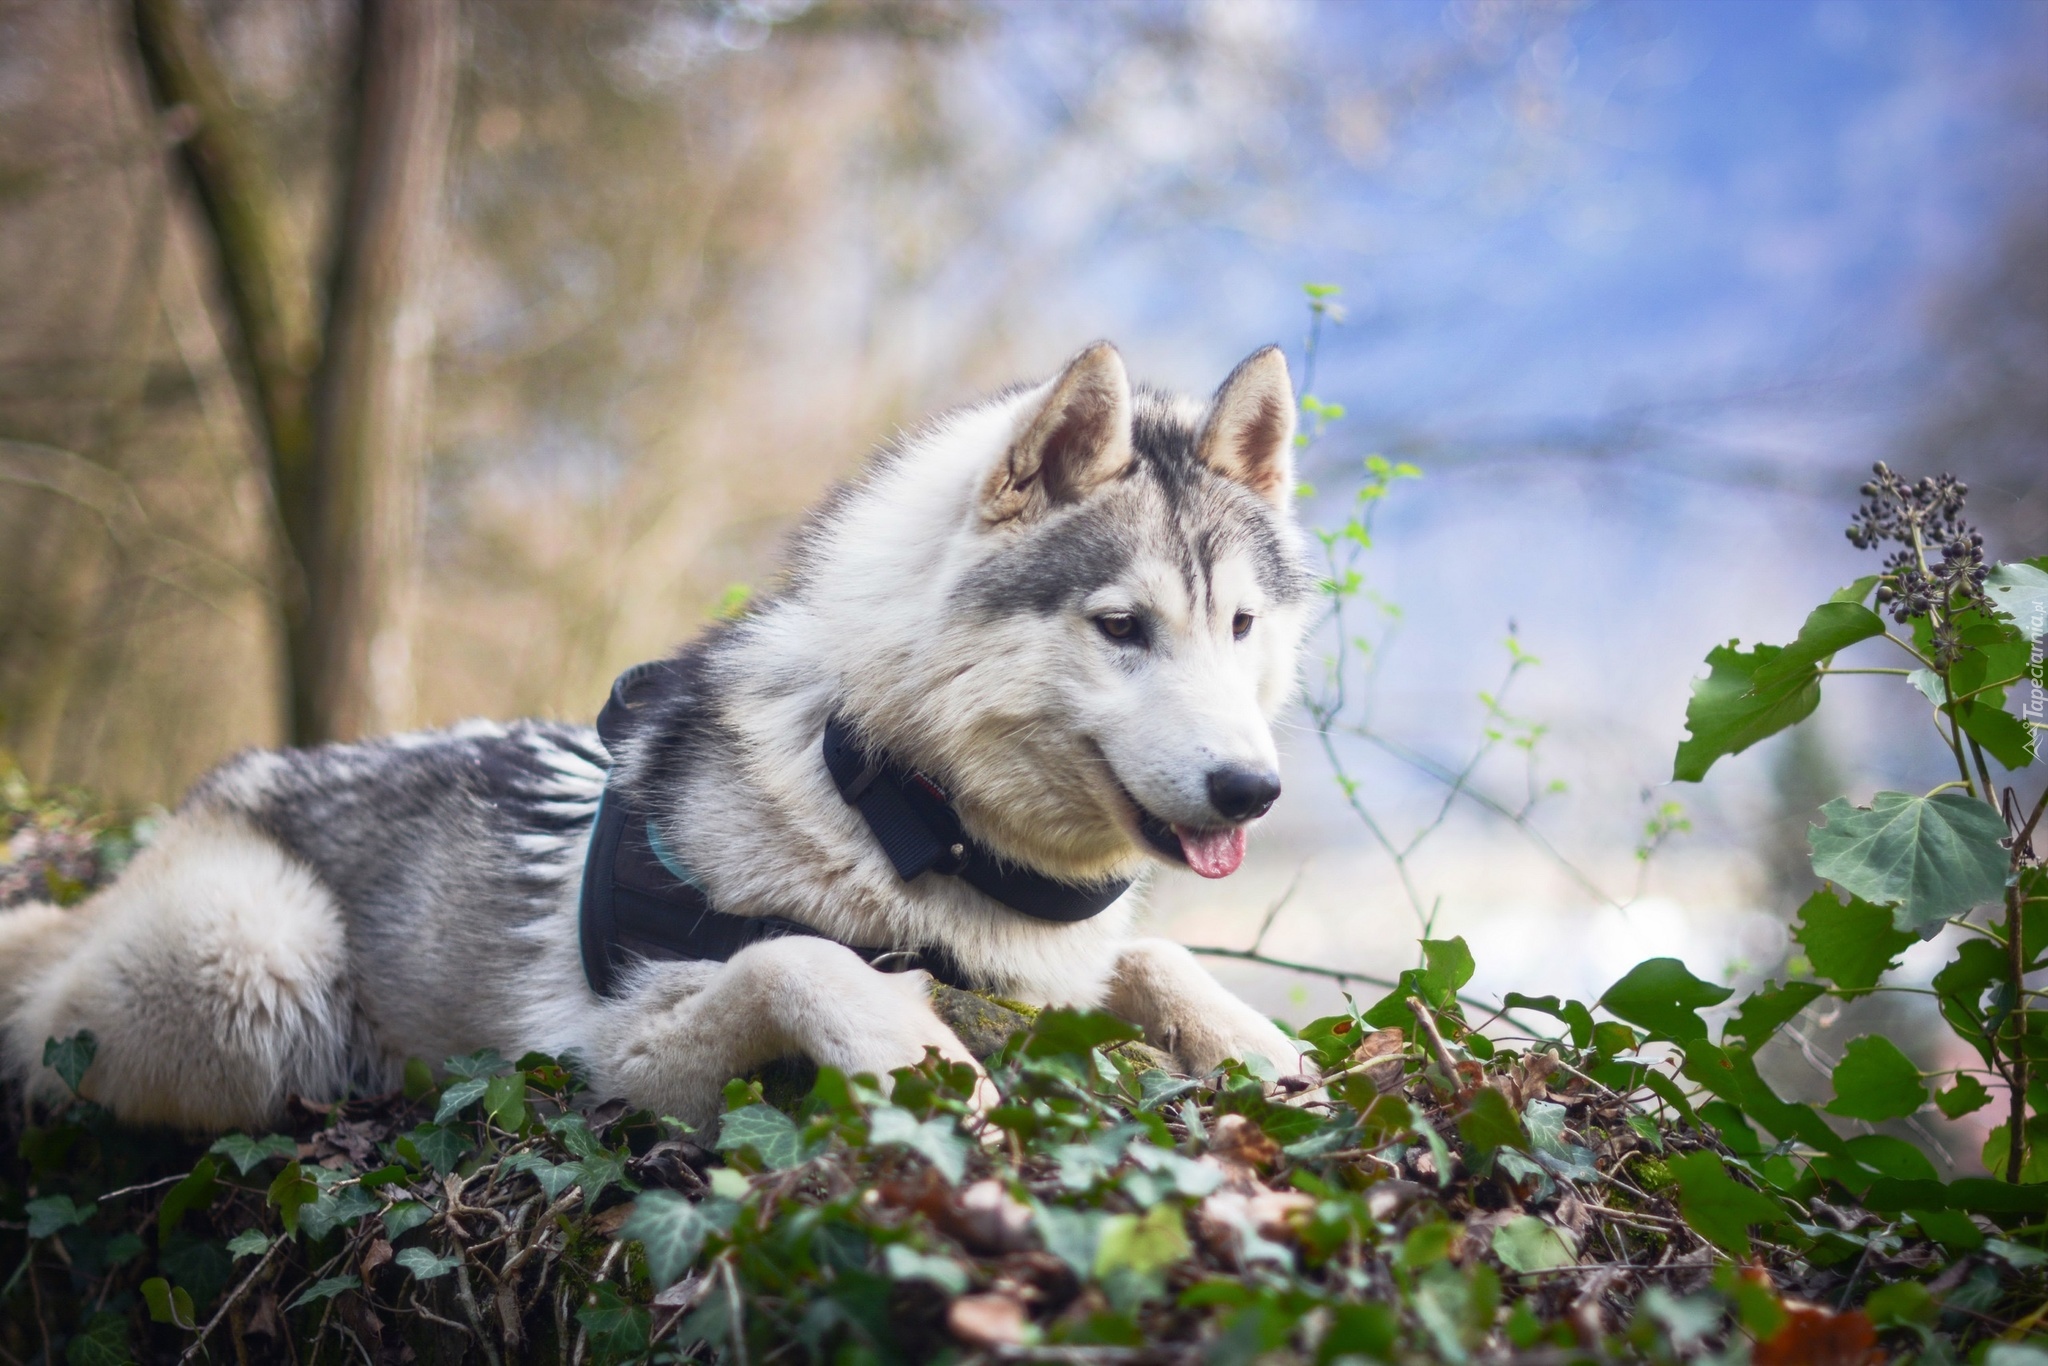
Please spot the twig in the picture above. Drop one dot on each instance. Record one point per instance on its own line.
(233, 1298)
(467, 1296)
(1427, 1020)
(170, 1180)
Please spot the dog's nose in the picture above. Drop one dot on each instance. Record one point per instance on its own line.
(1240, 794)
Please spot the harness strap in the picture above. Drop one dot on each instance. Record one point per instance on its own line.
(635, 905)
(914, 822)
(639, 902)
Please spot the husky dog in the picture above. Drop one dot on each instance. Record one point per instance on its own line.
(1069, 612)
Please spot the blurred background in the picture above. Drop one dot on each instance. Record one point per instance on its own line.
(1641, 288)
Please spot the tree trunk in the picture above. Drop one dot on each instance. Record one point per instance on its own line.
(344, 404)
(351, 669)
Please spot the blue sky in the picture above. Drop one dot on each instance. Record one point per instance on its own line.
(1644, 297)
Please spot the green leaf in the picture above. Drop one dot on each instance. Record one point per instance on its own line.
(104, 1342)
(291, 1190)
(2019, 593)
(460, 1097)
(53, 1213)
(169, 1304)
(1573, 1014)
(1876, 1081)
(1764, 1012)
(1904, 1303)
(908, 1264)
(438, 1146)
(1661, 996)
(1528, 1245)
(1447, 966)
(1967, 1096)
(196, 1191)
(250, 1242)
(617, 1330)
(505, 1100)
(1952, 1228)
(937, 1140)
(249, 1153)
(771, 1135)
(1151, 1242)
(1076, 1033)
(1719, 1209)
(1932, 858)
(69, 1058)
(484, 1063)
(1851, 945)
(2002, 735)
(424, 1263)
(672, 1231)
(1489, 1122)
(325, 1290)
(1748, 696)
(403, 1218)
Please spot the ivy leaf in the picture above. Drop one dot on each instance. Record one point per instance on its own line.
(250, 1242)
(908, 1264)
(937, 1139)
(617, 1330)
(1662, 996)
(291, 1190)
(53, 1213)
(672, 1230)
(325, 1290)
(505, 1100)
(1876, 1081)
(250, 1153)
(1750, 695)
(69, 1058)
(1764, 1012)
(460, 1097)
(1719, 1209)
(1076, 1032)
(1489, 1122)
(1528, 1245)
(2019, 593)
(1932, 858)
(425, 1264)
(437, 1146)
(169, 1304)
(1447, 965)
(1572, 1014)
(104, 1342)
(404, 1217)
(1151, 1242)
(771, 1134)
(1851, 945)
(484, 1063)
(196, 1191)
(1966, 1097)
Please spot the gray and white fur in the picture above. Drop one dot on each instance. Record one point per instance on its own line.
(1076, 606)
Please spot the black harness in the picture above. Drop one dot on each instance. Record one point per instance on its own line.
(640, 901)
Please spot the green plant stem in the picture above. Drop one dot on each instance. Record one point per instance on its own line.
(1983, 771)
(2016, 965)
(1896, 673)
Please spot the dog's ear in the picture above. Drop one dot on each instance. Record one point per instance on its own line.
(1249, 436)
(1078, 439)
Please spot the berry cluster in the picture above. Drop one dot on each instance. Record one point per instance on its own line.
(1925, 518)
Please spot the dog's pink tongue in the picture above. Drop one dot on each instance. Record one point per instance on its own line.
(1212, 853)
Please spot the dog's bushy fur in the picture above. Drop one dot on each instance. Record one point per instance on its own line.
(1071, 604)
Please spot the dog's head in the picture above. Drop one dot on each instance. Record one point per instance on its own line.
(1113, 621)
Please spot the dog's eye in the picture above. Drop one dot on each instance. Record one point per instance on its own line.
(1122, 627)
(1241, 625)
